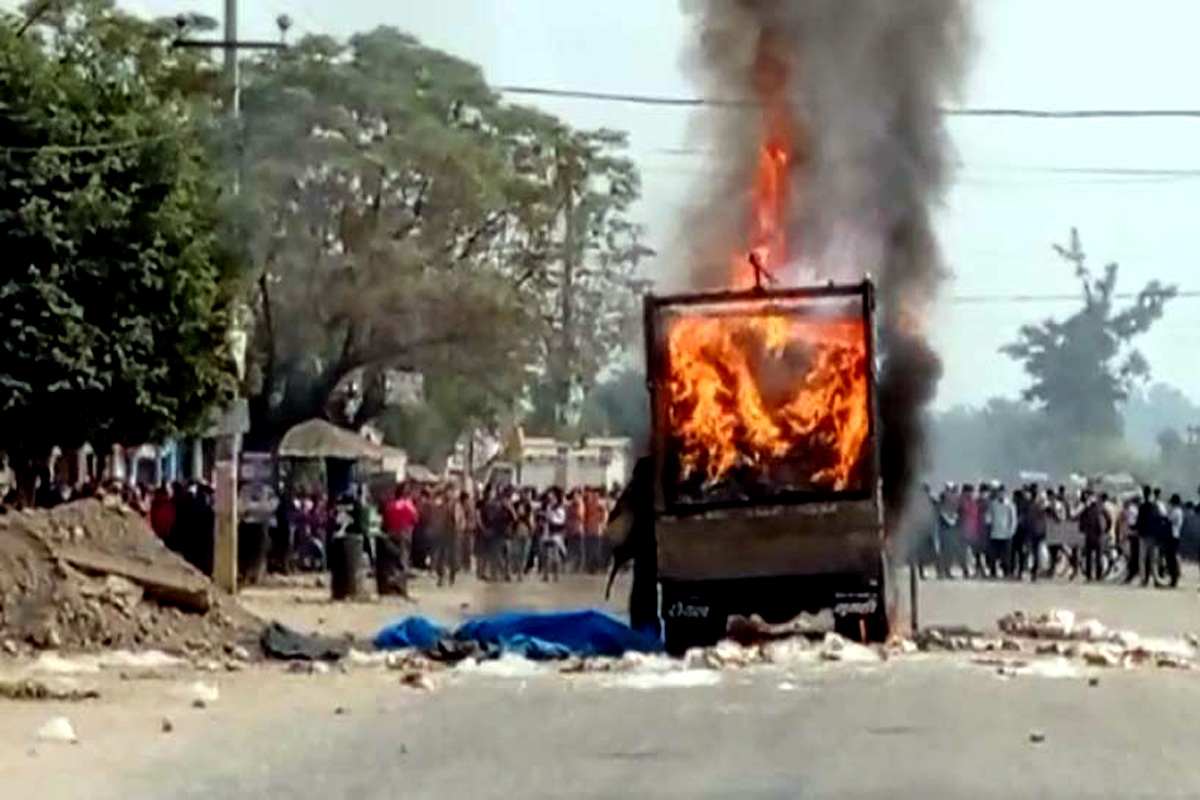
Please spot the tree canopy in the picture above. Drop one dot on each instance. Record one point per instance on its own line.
(116, 289)
(402, 216)
(1082, 367)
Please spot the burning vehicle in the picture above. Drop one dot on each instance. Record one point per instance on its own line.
(785, 444)
(765, 441)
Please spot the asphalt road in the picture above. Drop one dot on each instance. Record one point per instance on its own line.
(922, 729)
(920, 726)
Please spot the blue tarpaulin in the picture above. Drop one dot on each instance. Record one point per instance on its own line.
(410, 632)
(535, 635)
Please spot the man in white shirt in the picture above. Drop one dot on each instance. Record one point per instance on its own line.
(1175, 519)
(1002, 515)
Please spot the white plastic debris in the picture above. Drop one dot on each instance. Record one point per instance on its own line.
(1103, 656)
(506, 666)
(358, 658)
(57, 729)
(682, 679)
(785, 652)
(200, 691)
(786, 686)
(54, 664)
(142, 659)
(837, 648)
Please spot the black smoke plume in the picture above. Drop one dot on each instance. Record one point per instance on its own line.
(859, 85)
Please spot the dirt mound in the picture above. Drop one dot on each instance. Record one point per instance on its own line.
(92, 574)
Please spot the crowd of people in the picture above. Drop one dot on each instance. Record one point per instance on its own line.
(505, 533)
(986, 531)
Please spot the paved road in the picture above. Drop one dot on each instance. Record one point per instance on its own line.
(922, 729)
(917, 727)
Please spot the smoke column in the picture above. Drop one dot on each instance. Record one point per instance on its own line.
(855, 87)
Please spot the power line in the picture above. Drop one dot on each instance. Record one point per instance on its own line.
(1019, 113)
(968, 299)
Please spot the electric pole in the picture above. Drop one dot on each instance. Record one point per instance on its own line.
(235, 420)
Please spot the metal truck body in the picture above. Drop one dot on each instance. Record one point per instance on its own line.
(764, 502)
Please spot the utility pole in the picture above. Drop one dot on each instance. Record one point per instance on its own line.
(229, 438)
(570, 253)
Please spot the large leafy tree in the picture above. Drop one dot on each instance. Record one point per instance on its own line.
(1082, 367)
(115, 289)
(403, 216)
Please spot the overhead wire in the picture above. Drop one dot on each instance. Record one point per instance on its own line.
(994, 112)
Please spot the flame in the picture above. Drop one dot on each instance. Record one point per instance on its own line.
(757, 390)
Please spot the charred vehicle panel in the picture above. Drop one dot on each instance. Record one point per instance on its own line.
(766, 492)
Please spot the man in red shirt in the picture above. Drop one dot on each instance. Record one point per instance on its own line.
(399, 519)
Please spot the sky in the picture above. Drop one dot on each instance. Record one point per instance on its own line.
(1009, 202)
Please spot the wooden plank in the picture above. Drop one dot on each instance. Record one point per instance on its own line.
(170, 585)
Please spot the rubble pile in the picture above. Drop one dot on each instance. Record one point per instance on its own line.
(92, 575)
(1059, 634)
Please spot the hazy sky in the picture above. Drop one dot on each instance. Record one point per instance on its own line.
(1007, 205)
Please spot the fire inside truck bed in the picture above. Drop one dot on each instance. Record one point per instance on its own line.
(764, 436)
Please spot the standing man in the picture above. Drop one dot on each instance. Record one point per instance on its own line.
(1039, 527)
(595, 514)
(1175, 521)
(1148, 527)
(1091, 526)
(442, 534)
(970, 525)
(1003, 527)
(399, 521)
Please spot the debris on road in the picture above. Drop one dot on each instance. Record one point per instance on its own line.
(33, 689)
(415, 679)
(91, 574)
(200, 693)
(1037, 737)
(57, 729)
(166, 726)
(281, 642)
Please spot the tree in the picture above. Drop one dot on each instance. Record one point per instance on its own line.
(402, 216)
(1084, 366)
(116, 293)
(619, 406)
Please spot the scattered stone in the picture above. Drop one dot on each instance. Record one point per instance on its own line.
(1037, 737)
(57, 729)
(1013, 645)
(166, 726)
(10, 647)
(240, 653)
(1192, 639)
(418, 680)
(1093, 681)
(201, 692)
(791, 651)
(340, 711)
(31, 689)
(234, 666)
(53, 638)
(837, 648)
(901, 645)
(1102, 657)
(1172, 661)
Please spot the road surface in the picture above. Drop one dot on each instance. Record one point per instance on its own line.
(922, 726)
